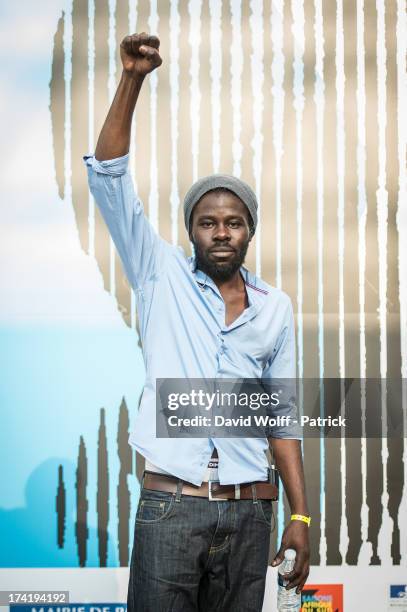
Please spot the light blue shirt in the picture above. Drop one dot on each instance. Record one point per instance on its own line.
(184, 335)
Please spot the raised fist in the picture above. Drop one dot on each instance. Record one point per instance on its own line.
(139, 54)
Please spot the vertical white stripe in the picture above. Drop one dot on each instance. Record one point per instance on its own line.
(132, 16)
(382, 213)
(153, 80)
(194, 10)
(257, 74)
(277, 71)
(132, 158)
(297, 10)
(366, 548)
(236, 67)
(111, 88)
(113, 474)
(134, 491)
(112, 49)
(297, 30)
(215, 8)
(174, 104)
(132, 21)
(382, 196)
(402, 231)
(361, 173)
(68, 108)
(340, 150)
(91, 119)
(132, 30)
(319, 99)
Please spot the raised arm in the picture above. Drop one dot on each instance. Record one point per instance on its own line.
(139, 55)
(142, 251)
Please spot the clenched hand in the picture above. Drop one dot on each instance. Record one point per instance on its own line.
(139, 54)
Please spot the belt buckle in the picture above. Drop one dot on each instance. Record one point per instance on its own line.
(210, 498)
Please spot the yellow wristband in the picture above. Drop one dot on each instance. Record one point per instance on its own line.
(301, 517)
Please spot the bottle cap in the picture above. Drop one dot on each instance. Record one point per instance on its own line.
(290, 554)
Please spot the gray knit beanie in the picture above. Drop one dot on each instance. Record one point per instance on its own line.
(205, 184)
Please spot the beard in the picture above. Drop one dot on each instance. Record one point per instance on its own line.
(219, 271)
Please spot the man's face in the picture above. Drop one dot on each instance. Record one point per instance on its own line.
(220, 234)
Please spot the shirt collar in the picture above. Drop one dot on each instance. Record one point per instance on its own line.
(256, 288)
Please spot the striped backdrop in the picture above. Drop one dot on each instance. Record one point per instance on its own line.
(306, 101)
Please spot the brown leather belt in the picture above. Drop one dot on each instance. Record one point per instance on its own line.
(213, 491)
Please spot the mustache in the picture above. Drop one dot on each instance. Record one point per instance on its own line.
(219, 248)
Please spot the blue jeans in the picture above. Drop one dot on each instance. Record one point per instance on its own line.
(192, 554)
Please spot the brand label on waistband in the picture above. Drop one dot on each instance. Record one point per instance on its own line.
(213, 468)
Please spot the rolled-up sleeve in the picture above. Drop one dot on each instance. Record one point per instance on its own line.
(141, 249)
(280, 375)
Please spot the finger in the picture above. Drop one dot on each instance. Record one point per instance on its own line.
(300, 563)
(300, 567)
(279, 556)
(292, 578)
(297, 572)
(132, 43)
(278, 559)
(138, 40)
(151, 54)
(297, 579)
(126, 44)
(295, 583)
(292, 584)
(129, 44)
(153, 41)
(302, 583)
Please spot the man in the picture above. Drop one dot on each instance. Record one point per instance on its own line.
(200, 546)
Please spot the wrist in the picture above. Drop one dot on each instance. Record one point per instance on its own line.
(300, 510)
(132, 78)
(305, 519)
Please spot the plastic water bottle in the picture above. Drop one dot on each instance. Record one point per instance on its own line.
(287, 599)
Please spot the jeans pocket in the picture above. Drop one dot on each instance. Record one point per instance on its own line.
(154, 506)
(265, 512)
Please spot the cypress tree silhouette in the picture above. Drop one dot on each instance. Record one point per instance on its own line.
(81, 528)
(102, 498)
(123, 494)
(61, 508)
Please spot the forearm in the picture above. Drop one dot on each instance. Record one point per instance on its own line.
(114, 138)
(288, 459)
